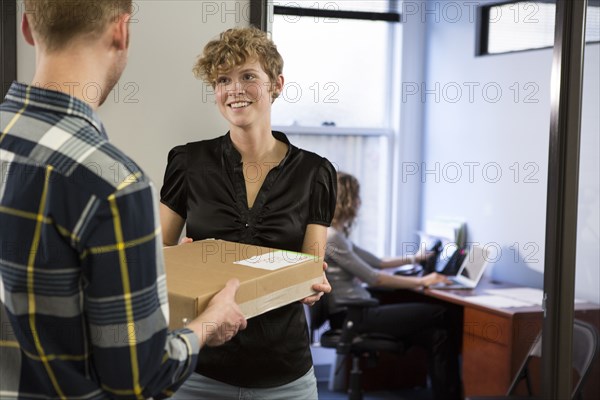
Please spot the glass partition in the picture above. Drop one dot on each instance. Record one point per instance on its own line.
(587, 277)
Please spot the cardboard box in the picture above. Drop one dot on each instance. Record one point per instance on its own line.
(269, 278)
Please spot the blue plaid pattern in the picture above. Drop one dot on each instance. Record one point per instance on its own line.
(83, 299)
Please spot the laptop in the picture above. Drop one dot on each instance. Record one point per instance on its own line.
(470, 272)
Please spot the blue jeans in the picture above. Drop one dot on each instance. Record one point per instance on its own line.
(198, 387)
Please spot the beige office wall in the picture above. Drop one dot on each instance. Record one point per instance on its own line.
(158, 103)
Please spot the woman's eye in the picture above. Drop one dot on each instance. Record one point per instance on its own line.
(222, 81)
(248, 77)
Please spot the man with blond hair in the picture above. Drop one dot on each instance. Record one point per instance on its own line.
(83, 301)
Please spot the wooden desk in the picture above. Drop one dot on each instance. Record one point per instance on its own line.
(495, 340)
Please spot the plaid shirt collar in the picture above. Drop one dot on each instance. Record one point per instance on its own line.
(55, 102)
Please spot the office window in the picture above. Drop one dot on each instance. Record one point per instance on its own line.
(337, 101)
(525, 25)
(331, 76)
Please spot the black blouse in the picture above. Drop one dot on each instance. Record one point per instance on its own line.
(204, 184)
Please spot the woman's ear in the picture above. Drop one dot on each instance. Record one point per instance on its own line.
(277, 88)
(279, 83)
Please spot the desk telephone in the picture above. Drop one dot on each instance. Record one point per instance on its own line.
(445, 261)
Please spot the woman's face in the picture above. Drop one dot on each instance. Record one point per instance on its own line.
(244, 94)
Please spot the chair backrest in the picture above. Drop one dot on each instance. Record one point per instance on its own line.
(585, 350)
(523, 373)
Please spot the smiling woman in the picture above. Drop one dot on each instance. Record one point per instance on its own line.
(251, 186)
(244, 94)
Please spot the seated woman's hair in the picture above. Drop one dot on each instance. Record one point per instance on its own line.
(348, 201)
(234, 47)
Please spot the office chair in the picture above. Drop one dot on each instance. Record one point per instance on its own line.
(585, 349)
(347, 341)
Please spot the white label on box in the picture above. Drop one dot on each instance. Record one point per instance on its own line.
(275, 260)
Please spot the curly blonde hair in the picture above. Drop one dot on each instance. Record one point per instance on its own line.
(233, 48)
(57, 22)
(348, 201)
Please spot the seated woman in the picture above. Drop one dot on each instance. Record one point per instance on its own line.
(422, 323)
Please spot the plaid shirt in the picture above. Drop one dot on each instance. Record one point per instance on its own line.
(83, 300)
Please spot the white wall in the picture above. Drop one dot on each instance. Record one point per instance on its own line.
(504, 209)
(159, 103)
(407, 192)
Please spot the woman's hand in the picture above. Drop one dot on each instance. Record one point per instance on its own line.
(186, 239)
(320, 288)
(433, 278)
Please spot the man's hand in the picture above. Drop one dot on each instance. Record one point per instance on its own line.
(320, 288)
(222, 318)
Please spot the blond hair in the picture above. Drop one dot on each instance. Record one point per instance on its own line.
(233, 48)
(57, 22)
(348, 201)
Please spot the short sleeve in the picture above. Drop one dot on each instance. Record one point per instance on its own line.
(173, 193)
(323, 195)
